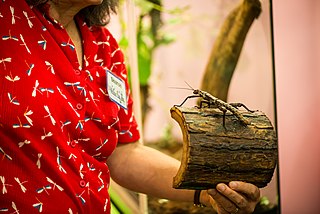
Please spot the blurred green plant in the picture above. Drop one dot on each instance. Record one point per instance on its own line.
(150, 35)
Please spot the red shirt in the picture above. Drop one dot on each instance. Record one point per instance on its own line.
(57, 123)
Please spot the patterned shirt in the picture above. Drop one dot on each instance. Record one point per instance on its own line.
(58, 124)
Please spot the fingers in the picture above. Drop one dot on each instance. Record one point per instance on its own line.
(250, 190)
(225, 205)
(237, 196)
(229, 198)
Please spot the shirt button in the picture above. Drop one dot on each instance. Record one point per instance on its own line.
(79, 106)
(77, 72)
(73, 143)
(82, 183)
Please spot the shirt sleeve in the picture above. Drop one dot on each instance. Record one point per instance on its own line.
(129, 131)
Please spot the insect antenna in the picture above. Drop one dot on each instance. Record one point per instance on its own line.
(189, 85)
(189, 88)
(181, 88)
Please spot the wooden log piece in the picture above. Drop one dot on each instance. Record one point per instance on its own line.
(213, 153)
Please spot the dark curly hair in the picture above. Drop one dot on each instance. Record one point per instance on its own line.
(94, 15)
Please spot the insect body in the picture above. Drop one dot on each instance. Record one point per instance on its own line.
(210, 100)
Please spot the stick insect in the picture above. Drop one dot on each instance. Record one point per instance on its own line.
(211, 101)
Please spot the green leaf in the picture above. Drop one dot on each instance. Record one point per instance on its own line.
(167, 39)
(144, 6)
(144, 61)
(123, 42)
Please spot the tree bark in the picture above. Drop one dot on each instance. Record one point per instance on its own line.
(227, 48)
(213, 153)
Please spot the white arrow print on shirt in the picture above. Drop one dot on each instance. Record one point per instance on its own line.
(11, 78)
(3, 181)
(49, 115)
(24, 44)
(21, 144)
(23, 188)
(35, 89)
(3, 61)
(13, 20)
(28, 18)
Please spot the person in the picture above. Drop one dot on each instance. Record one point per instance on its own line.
(66, 120)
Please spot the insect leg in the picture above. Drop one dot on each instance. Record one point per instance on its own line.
(205, 102)
(191, 96)
(224, 110)
(238, 105)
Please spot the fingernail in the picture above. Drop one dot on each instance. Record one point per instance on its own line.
(233, 184)
(221, 187)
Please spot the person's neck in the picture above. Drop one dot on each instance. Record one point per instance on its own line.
(64, 12)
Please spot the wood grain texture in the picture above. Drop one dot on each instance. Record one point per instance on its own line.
(213, 153)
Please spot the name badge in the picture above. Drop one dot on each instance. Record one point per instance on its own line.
(116, 88)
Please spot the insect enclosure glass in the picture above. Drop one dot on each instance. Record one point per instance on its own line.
(223, 47)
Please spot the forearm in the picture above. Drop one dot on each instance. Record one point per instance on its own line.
(146, 170)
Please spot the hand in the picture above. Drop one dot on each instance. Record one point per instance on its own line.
(235, 198)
